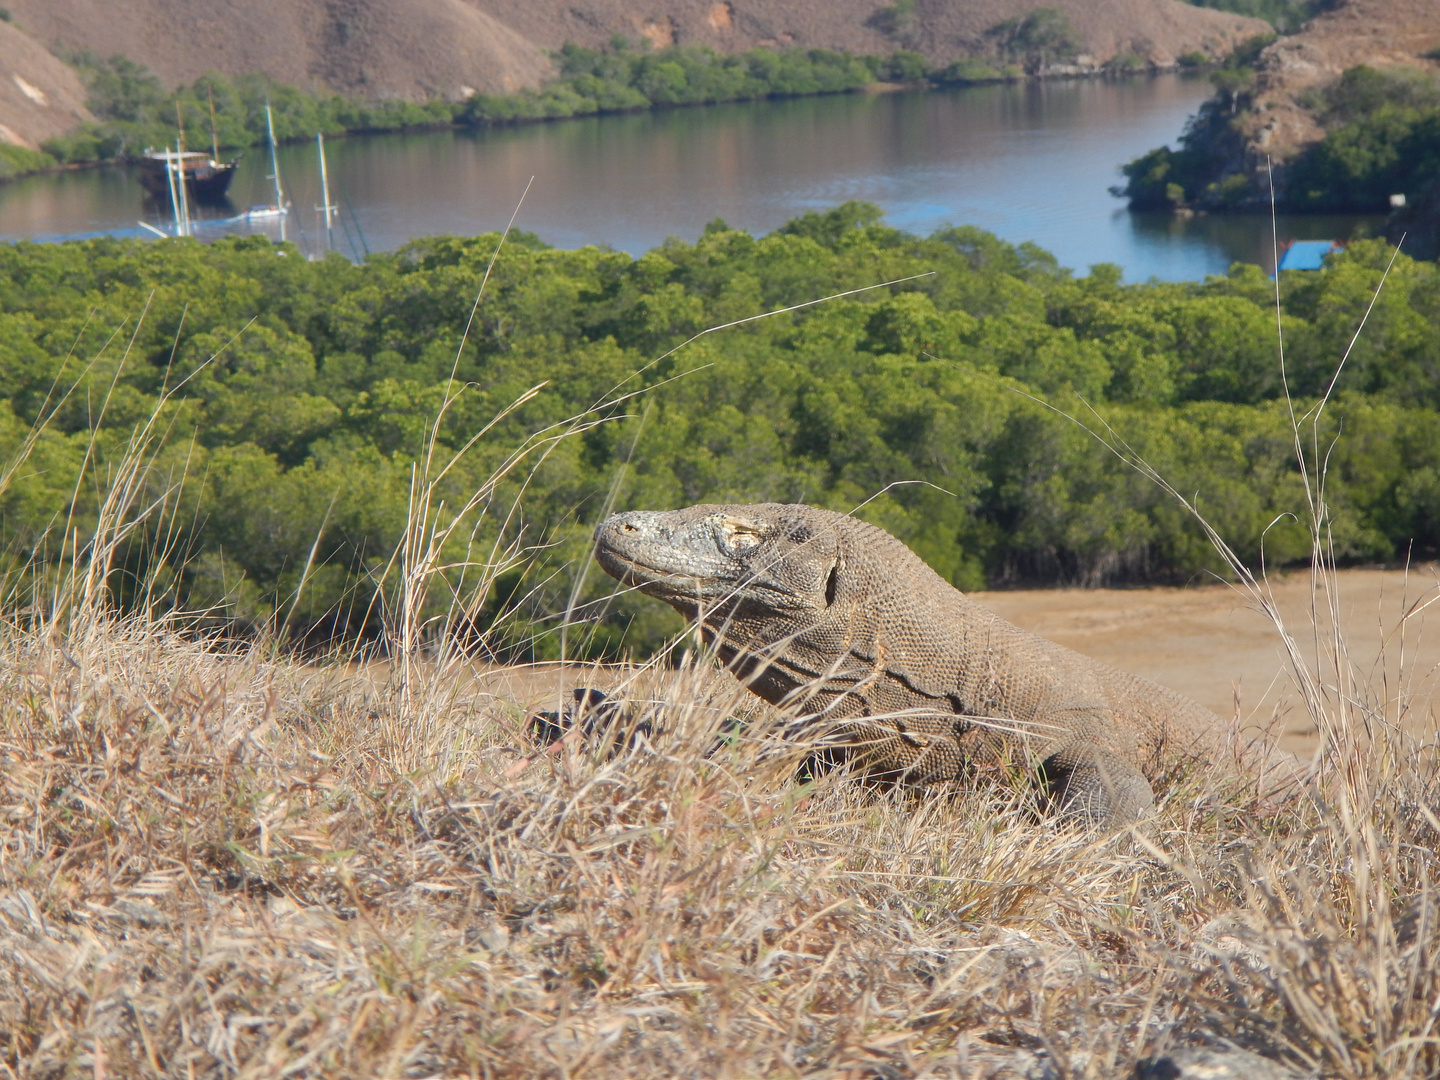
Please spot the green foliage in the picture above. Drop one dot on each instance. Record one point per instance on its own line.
(305, 391)
(1382, 138)
(1126, 62)
(1198, 172)
(16, 160)
(1286, 16)
(136, 112)
(968, 70)
(1037, 40)
(897, 21)
(904, 67)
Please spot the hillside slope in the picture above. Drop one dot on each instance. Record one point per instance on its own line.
(1341, 115)
(426, 48)
(1378, 33)
(1158, 30)
(39, 96)
(413, 49)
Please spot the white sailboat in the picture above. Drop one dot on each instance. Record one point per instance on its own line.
(276, 211)
(329, 209)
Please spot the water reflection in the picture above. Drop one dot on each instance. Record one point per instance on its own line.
(1028, 162)
(1248, 237)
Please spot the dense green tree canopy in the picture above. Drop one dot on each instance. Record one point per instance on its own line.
(300, 394)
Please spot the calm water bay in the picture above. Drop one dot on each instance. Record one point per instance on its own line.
(1027, 162)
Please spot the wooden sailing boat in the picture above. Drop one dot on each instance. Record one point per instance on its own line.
(206, 178)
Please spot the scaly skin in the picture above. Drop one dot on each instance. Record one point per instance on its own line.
(838, 620)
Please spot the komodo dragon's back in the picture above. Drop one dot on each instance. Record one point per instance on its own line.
(836, 618)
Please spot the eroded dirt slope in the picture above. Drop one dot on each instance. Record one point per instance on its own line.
(421, 48)
(365, 48)
(1379, 33)
(39, 96)
(1159, 30)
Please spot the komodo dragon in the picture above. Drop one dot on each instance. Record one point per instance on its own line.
(819, 612)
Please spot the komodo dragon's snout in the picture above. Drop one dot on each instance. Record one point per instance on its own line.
(839, 621)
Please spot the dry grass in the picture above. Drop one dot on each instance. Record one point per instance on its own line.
(209, 866)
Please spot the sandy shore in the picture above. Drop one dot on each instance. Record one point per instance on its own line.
(1207, 641)
(1212, 643)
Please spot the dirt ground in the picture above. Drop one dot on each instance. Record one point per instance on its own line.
(1212, 643)
(1207, 641)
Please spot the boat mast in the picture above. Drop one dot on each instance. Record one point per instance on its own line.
(183, 208)
(184, 193)
(174, 198)
(325, 187)
(274, 164)
(175, 175)
(214, 138)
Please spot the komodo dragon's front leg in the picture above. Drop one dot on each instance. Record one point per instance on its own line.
(1089, 783)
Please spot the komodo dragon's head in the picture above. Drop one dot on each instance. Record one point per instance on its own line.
(792, 596)
(729, 564)
(769, 584)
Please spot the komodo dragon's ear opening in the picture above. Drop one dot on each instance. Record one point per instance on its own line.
(832, 584)
(742, 536)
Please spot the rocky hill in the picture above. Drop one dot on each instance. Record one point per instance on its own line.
(943, 30)
(1378, 33)
(418, 49)
(1340, 117)
(412, 49)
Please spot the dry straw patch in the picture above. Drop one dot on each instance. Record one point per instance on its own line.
(210, 868)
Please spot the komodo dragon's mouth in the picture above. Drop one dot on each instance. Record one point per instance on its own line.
(661, 584)
(638, 574)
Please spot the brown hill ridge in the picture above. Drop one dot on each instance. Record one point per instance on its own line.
(413, 49)
(418, 49)
(944, 30)
(1378, 33)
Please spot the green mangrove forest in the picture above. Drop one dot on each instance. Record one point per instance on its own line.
(966, 408)
(134, 110)
(1382, 138)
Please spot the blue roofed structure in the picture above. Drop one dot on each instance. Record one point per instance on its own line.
(1307, 254)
